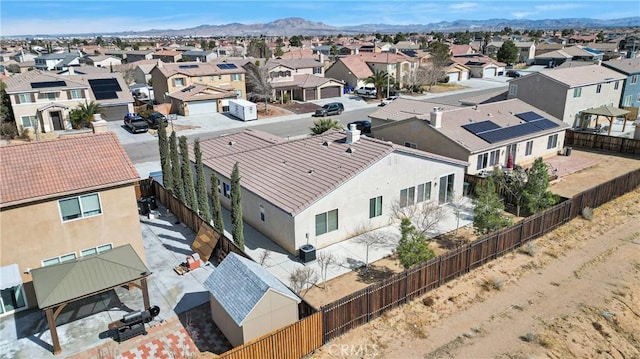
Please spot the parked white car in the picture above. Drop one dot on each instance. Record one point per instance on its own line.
(366, 91)
(387, 101)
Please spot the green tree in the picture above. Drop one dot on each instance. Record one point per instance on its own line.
(536, 194)
(187, 175)
(508, 52)
(82, 115)
(413, 248)
(236, 208)
(258, 84)
(218, 222)
(201, 184)
(295, 41)
(178, 184)
(514, 183)
(379, 80)
(278, 51)
(387, 38)
(165, 160)
(6, 110)
(399, 37)
(488, 211)
(323, 125)
(333, 52)
(258, 48)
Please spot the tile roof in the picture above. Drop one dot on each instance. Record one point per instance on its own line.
(298, 53)
(49, 169)
(294, 63)
(202, 69)
(304, 81)
(626, 66)
(198, 92)
(580, 76)
(357, 66)
(294, 174)
(404, 108)
(239, 284)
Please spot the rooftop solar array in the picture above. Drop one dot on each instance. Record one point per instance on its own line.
(192, 66)
(227, 66)
(105, 89)
(46, 84)
(492, 133)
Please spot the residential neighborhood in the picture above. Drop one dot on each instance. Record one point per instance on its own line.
(297, 189)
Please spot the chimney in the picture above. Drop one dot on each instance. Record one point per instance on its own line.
(436, 117)
(98, 124)
(159, 63)
(71, 71)
(353, 134)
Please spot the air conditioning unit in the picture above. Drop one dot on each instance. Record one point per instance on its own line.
(307, 253)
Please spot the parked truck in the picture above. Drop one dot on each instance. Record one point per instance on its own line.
(243, 109)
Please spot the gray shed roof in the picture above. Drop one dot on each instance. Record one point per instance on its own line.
(238, 284)
(69, 281)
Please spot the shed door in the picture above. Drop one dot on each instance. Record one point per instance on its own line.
(329, 92)
(309, 94)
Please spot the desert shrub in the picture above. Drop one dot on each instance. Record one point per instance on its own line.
(428, 301)
(587, 213)
(492, 284)
(530, 249)
(9, 130)
(529, 337)
(25, 134)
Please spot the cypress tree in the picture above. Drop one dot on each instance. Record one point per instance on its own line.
(236, 208)
(165, 161)
(175, 168)
(201, 184)
(218, 222)
(187, 176)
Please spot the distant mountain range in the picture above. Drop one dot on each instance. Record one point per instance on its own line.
(298, 26)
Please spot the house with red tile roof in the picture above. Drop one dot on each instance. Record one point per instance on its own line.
(322, 189)
(301, 79)
(61, 200)
(354, 69)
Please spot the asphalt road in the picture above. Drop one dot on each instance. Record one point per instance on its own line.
(147, 151)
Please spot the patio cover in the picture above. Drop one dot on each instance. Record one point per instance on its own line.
(609, 112)
(59, 284)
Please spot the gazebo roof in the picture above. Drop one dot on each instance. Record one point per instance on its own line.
(608, 111)
(69, 281)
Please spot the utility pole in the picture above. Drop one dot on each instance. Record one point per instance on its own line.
(388, 73)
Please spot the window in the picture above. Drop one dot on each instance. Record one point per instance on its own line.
(513, 90)
(616, 85)
(179, 81)
(95, 250)
(445, 192)
(407, 196)
(60, 259)
(482, 161)
(28, 121)
(598, 88)
(375, 207)
(627, 101)
(235, 77)
(529, 148)
(494, 157)
(12, 298)
(577, 92)
(410, 144)
(227, 190)
(80, 207)
(75, 94)
(552, 142)
(326, 222)
(262, 213)
(424, 192)
(634, 79)
(24, 98)
(317, 70)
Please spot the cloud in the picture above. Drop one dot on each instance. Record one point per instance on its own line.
(463, 6)
(520, 15)
(556, 7)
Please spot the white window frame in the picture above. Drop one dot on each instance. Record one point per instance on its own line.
(179, 79)
(553, 139)
(577, 92)
(327, 228)
(528, 148)
(23, 99)
(409, 197)
(82, 212)
(98, 249)
(626, 101)
(494, 158)
(634, 79)
(235, 77)
(32, 119)
(76, 94)
(598, 88)
(482, 161)
(59, 259)
(616, 85)
(47, 96)
(375, 207)
(423, 192)
(513, 89)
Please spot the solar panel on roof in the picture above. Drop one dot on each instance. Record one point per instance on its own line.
(105, 89)
(529, 116)
(477, 127)
(193, 66)
(227, 66)
(46, 84)
(506, 133)
(544, 124)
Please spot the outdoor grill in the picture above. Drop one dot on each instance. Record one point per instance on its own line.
(132, 324)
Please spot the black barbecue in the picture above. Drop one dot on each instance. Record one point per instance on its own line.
(132, 324)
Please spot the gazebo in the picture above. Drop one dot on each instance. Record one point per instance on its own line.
(60, 284)
(609, 112)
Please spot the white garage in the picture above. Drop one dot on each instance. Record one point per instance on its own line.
(490, 71)
(202, 107)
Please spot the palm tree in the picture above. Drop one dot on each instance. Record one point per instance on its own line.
(83, 114)
(379, 79)
(258, 84)
(323, 125)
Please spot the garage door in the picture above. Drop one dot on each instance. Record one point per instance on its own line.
(309, 94)
(202, 107)
(490, 72)
(329, 92)
(114, 113)
(453, 77)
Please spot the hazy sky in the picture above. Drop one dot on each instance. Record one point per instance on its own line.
(29, 17)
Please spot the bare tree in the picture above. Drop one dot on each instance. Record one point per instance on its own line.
(301, 278)
(424, 216)
(325, 259)
(263, 256)
(458, 205)
(371, 239)
(258, 84)
(514, 183)
(416, 78)
(433, 74)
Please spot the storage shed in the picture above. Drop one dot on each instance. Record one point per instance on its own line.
(247, 301)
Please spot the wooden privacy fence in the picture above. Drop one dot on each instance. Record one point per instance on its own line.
(292, 342)
(602, 142)
(371, 302)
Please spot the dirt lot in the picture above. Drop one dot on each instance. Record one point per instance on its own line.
(574, 293)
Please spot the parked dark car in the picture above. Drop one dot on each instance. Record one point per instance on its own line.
(153, 120)
(135, 123)
(513, 73)
(363, 126)
(333, 108)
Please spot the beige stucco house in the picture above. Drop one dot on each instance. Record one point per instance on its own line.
(322, 189)
(247, 301)
(355, 69)
(301, 79)
(61, 200)
(564, 93)
(485, 135)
